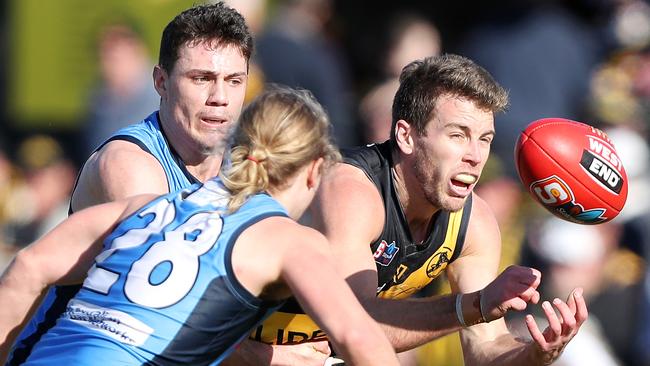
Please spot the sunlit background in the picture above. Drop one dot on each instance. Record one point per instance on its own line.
(73, 71)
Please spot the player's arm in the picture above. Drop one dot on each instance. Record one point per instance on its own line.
(350, 212)
(118, 170)
(491, 343)
(62, 256)
(332, 304)
(301, 261)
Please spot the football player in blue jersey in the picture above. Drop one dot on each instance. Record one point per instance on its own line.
(186, 277)
(201, 77)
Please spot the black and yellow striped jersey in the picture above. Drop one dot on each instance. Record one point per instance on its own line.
(403, 266)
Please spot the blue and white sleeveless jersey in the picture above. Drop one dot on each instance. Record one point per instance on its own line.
(150, 137)
(163, 291)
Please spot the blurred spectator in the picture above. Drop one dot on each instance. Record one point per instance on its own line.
(410, 38)
(543, 55)
(635, 218)
(10, 180)
(620, 98)
(124, 92)
(41, 202)
(295, 50)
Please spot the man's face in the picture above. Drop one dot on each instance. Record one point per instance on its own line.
(449, 160)
(203, 95)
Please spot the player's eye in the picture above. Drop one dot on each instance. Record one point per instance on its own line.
(235, 81)
(487, 139)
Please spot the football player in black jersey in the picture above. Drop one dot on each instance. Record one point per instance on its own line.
(389, 211)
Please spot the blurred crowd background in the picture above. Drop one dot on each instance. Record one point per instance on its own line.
(73, 71)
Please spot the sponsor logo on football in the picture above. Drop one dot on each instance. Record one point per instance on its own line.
(552, 191)
(606, 151)
(385, 253)
(601, 171)
(556, 194)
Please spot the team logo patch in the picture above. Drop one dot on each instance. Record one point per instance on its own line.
(555, 193)
(385, 253)
(438, 262)
(601, 171)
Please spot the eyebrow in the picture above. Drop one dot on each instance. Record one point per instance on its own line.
(210, 72)
(466, 128)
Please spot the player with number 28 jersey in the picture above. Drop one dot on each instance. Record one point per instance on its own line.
(164, 274)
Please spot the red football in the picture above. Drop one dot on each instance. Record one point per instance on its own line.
(572, 169)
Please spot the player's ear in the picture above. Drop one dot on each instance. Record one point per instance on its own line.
(314, 173)
(403, 136)
(160, 80)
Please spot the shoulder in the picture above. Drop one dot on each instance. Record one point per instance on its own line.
(482, 216)
(483, 228)
(118, 170)
(347, 196)
(289, 240)
(282, 230)
(346, 182)
(122, 155)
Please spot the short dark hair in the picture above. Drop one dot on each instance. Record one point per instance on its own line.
(201, 23)
(422, 82)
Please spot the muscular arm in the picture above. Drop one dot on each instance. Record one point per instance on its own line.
(349, 212)
(120, 169)
(492, 343)
(299, 259)
(63, 256)
(473, 270)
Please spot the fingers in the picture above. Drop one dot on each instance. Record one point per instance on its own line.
(523, 275)
(581, 313)
(554, 324)
(561, 328)
(571, 301)
(529, 294)
(567, 319)
(535, 297)
(535, 333)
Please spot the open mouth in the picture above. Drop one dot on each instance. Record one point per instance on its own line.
(214, 121)
(462, 184)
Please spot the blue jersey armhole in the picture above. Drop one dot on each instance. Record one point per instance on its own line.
(235, 286)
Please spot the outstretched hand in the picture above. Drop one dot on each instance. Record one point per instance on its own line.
(560, 330)
(513, 289)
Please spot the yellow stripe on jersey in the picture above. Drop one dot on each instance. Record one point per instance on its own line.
(289, 328)
(422, 276)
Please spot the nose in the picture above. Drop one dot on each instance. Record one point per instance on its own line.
(217, 95)
(474, 154)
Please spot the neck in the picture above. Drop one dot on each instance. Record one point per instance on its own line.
(202, 165)
(207, 168)
(287, 199)
(416, 207)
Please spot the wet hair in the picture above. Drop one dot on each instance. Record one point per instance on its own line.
(422, 82)
(217, 23)
(278, 133)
